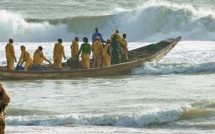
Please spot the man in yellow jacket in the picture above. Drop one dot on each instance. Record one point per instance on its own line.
(74, 47)
(25, 57)
(10, 55)
(106, 53)
(97, 51)
(117, 34)
(4, 101)
(124, 47)
(58, 54)
(38, 59)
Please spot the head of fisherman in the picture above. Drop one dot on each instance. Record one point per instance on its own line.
(59, 40)
(40, 48)
(10, 40)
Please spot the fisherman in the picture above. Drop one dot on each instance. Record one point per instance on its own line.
(97, 34)
(106, 53)
(117, 34)
(115, 50)
(10, 55)
(85, 51)
(38, 58)
(124, 56)
(4, 101)
(74, 47)
(97, 51)
(58, 54)
(25, 57)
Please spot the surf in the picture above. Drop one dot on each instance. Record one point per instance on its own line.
(148, 22)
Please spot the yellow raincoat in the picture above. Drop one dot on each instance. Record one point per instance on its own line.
(97, 50)
(4, 101)
(118, 36)
(124, 49)
(10, 56)
(39, 57)
(74, 49)
(85, 60)
(25, 57)
(58, 55)
(106, 55)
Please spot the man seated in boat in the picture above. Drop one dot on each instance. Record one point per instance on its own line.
(25, 57)
(106, 53)
(85, 51)
(4, 101)
(38, 59)
(123, 45)
(97, 51)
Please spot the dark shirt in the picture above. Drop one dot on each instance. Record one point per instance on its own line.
(97, 34)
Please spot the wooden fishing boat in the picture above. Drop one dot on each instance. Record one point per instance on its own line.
(137, 57)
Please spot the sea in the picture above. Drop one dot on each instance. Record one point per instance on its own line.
(172, 96)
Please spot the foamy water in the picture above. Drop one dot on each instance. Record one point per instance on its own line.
(174, 95)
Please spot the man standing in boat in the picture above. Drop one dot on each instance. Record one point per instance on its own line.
(4, 101)
(10, 55)
(117, 35)
(123, 43)
(97, 34)
(38, 59)
(106, 53)
(74, 47)
(97, 52)
(58, 54)
(115, 50)
(85, 51)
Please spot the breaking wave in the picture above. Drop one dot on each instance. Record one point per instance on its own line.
(149, 22)
(175, 68)
(127, 120)
(179, 117)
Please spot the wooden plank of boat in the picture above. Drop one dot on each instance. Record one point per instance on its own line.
(138, 57)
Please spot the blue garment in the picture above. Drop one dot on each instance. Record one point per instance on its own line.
(97, 34)
(19, 67)
(37, 67)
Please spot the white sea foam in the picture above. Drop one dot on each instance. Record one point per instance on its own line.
(132, 120)
(151, 21)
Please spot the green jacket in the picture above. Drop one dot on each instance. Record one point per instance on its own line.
(85, 48)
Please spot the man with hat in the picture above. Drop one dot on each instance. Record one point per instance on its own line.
(117, 34)
(38, 58)
(10, 55)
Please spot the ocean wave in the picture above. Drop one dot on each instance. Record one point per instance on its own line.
(186, 116)
(130, 120)
(175, 68)
(149, 22)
